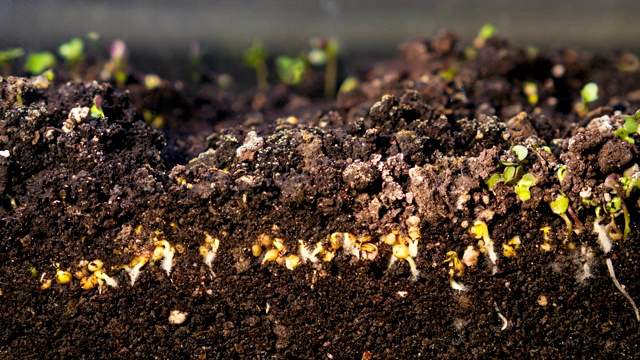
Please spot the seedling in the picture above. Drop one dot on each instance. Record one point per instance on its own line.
(348, 85)
(96, 108)
(73, 51)
(480, 231)
(629, 128)
(513, 174)
(134, 267)
(7, 56)
(559, 206)
(487, 31)
(38, 62)
(561, 172)
(509, 249)
(325, 51)
(256, 57)
(62, 276)
(209, 250)
(589, 94)
(163, 251)
(530, 89)
(290, 69)
(522, 188)
(456, 269)
(116, 67)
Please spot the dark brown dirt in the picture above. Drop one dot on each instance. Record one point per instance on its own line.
(407, 143)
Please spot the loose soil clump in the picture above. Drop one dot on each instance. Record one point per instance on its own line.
(282, 225)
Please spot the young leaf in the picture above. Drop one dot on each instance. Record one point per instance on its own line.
(560, 204)
(39, 62)
(520, 151)
(630, 124)
(589, 93)
(493, 180)
(72, 51)
(522, 188)
(562, 172)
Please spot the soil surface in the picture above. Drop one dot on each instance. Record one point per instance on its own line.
(282, 225)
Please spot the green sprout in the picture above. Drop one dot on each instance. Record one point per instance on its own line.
(6, 56)
(256, 57)
(96, 108)
(531, 90)
(72, 51)
(349, 84)
(290, 69)
(38, 62)
(559, 206)
(562, 172)
(487, 31)
(522, 188)
(629, 128)
(325, 51)
(513, 171)
(10, 54)
(589, 94)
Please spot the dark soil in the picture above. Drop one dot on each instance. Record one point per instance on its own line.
(409, 141)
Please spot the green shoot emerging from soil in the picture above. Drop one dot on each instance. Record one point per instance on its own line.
(7, 56)
(96, 108)
(487, 31)
(513, 174)
(530, 89)
(72, 51)
(290, 69)
(629, 128)
(559, 206)
(256, 57)
(589, 94)
(325, 51)
(38, 62)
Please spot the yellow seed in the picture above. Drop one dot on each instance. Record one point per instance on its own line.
(95, 265)
(389, 239)
(292, 262)
(80, 274)
(364, 239)
(45, 284)
(278, 244)
(270, 255)
(414, 233)
(256, 250)
(400, 251)
(63, 277)
(508, 251)
(546, 247)
(139, 260)
(138, 229)
(204, 250)
(328, 256)
(89, 283)
(208, 238)
(515, 242)
(336, 240)
(158, 253)
(542, 300)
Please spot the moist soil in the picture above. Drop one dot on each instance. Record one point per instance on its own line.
(407, 152)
